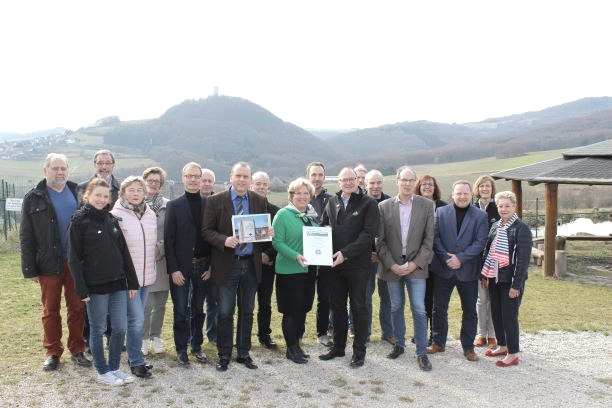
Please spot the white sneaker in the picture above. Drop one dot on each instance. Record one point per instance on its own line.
(126, 378)
(157, 345)
(110, 379)
(145, 347)
(325, 340)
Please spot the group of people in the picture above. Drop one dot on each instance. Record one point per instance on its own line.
(118, 249)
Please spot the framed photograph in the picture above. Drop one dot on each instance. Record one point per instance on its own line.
(251, 227)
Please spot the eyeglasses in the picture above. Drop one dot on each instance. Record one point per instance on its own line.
(104, 163)
(192, 176)
(347, 179)
(152, 181)
(427, 184)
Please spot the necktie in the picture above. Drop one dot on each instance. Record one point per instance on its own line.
(239, 211)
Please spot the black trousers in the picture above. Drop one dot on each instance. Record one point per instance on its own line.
(505, 311)
(323, 299)
(264, 301)
(350, 283)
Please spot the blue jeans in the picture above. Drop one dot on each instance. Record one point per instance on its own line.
(99, 306)
(242, 284)
(416, 294)
(212, 312)
(188, 301)
(135, 317)
(468, 293)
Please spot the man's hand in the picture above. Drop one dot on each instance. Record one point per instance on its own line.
(271, 232)
(265, 259)
(177, 278)
(206, 275)
(513, 293)
(34, 279)
(405, 269)
(453, 262)
(231, 242)
(338, 258)
(132, 293)
(374, 257)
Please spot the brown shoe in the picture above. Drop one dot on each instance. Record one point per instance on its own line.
(434, 348)
(480, 342)
(470, 356)
(492, 342)
(391, 340)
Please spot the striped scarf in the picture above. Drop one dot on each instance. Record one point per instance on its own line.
(499, 254)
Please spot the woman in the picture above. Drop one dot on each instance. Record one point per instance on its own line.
(427, 186)
(295, 281)
(505, 272)
(139, 226)
(155, 308)
(484, 190)
(104, 277)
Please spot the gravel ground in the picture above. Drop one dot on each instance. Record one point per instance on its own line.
(557, 369)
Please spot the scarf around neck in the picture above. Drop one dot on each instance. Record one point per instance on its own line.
(138, 209)
(156, 202)
(499, 253)
(307, 217)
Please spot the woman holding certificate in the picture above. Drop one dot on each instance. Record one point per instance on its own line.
(295, 280)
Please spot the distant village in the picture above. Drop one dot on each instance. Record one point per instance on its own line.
(33, 148)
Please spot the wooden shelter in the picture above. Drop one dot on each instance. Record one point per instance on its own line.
(590, 165)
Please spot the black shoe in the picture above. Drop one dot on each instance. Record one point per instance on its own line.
(140, 371)
(148, 366)
(182, 358)
(294, 354)
(200, 356)
(247, 362)
(396, 352)
(332, 353)
(80, 360)
(302, 351)
(222, 364)
(51, 363)
(424, 363)
(267, 342)
(357, 361)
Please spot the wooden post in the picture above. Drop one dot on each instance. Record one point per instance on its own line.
(550, 229)
(517, 189)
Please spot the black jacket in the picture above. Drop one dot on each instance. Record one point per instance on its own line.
(491, 210)
(353, 228)
(41, 247)
(519, 246)
(97, 252)
(319, 202)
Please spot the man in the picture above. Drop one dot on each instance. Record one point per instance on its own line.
(360, 171)
(316, 174)
(374, 181)
(188, 264)
(104, 163)
(460, 236)
(404, 244)
(207, 183)
(260, 185)
(354, 219)
(236, 267)
(47, 210)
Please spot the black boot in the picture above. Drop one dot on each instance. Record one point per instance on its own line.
(294, 354)
(302, 351)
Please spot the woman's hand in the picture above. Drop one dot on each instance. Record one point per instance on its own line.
(513, 293)
(484, 283)
(85, 300)
(301, 260)
(132, 293)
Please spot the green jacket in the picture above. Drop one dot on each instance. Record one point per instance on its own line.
(288, 241)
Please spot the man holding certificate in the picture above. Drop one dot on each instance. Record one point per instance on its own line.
(295, 273)
(354, 219)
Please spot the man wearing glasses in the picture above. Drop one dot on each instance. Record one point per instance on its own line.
(354, 219)
(188, 264)
(104, 163)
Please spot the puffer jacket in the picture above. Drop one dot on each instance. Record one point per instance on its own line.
(141, 238)
(41, 248)
(97, 252)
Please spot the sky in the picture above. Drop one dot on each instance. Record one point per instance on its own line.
(331, 64)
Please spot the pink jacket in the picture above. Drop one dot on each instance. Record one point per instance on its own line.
(141, 237)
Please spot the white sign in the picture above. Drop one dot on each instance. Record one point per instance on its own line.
(318, 246)
(13, 204)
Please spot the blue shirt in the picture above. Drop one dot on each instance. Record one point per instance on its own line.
(248, 249)
(65, 205)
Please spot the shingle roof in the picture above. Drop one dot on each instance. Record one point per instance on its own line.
(583, 165)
